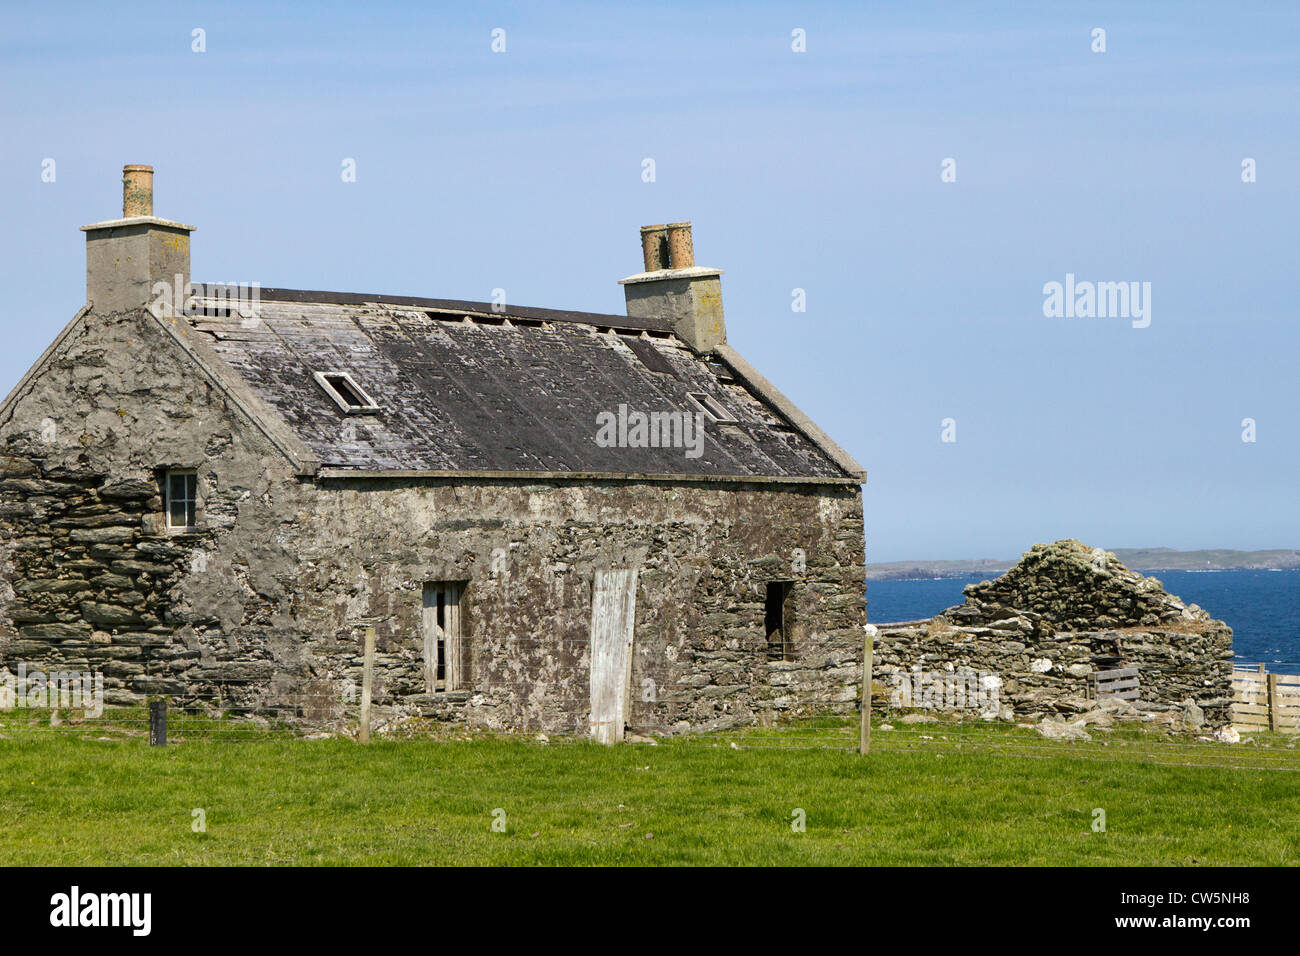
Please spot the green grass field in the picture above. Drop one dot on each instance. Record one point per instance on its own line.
(934, 794)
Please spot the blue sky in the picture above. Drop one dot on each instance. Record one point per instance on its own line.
(818, 170)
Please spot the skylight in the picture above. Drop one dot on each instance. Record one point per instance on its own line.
(711, 407)
(347, 394)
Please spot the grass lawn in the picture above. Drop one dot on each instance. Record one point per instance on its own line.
(930, 794)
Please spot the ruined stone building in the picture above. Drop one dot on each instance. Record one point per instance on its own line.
(555, 520)
(1045, 636)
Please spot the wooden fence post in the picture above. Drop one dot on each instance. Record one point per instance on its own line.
(1274, 702)
(367, 678)
(158, 723)
(868, 651)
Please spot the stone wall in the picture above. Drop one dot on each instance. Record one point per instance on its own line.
(266, 603)
(84, 587)
(1049, 624)
(530, 551)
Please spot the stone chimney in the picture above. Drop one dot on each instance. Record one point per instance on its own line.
(673, 287)
(127, 257)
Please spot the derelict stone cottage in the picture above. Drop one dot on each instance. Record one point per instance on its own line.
(555, 520)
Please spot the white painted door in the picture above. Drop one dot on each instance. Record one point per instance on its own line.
(613, 614)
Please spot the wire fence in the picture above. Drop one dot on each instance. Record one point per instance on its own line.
(296, 707)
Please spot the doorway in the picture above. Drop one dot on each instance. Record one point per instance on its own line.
(613, 615)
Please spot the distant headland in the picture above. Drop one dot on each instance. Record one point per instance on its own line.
(1137, 559)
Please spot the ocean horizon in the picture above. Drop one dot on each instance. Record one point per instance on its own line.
(1261, 606)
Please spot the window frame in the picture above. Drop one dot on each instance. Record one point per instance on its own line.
(445, 655)
(190, 501)
(711, 407)
(368, 408)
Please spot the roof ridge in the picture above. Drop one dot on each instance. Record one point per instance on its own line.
(458, 305)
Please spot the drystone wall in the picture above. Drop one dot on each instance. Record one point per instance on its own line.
(1029, 644)
(265, 605)
(83, 586)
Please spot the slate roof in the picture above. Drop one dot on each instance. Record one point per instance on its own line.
(463, 389)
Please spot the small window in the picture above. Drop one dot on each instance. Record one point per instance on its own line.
(347, 394)
(182, 494)
(710, 407)
(446, 663)
(777, 622)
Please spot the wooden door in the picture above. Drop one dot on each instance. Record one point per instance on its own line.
(613, 614)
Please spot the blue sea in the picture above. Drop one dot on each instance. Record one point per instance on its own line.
(1261, 607)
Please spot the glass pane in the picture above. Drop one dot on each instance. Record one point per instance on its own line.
(181, 495)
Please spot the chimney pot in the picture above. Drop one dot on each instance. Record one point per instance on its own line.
(673, 288)
(654, 247)
(681, 251)
(137, 191)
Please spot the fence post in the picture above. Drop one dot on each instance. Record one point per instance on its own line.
(868, 650)
(158, 723)
(367, 676)
(1274, 700)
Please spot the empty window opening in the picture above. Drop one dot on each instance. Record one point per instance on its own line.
(709, 405)
(182, 494)
(777, 621)
(721, 369)
(347, 394)
(446, 664)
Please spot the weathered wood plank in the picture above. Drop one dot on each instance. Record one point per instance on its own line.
(1114, 687)
(613, 616)
(1117, 673)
